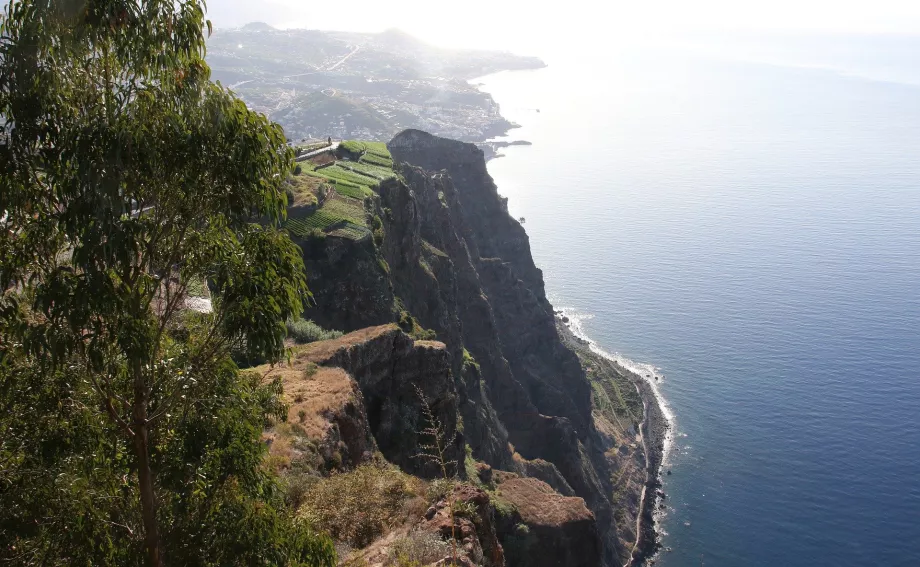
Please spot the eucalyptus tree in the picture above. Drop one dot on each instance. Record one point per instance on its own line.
(126, 175)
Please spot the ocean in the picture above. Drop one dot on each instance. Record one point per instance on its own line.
(749, 225)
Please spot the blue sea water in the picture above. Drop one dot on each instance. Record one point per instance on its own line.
(752, 228)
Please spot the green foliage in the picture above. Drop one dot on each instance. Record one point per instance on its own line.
(379, 233)
(305, 331)
(430, 248)
(411, 327)
(68, 490)
(197, 287)
(469, 361)
(122, 157)
(464, 509)
(518, 544)
(438, 489)
(503, 508)
(357, 506)
(469, 467)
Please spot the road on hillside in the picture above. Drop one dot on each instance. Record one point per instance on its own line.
(344, 59)
(308, 155)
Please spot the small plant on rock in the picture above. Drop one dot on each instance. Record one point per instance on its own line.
(435, 451)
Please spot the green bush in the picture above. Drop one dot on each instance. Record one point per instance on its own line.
(305, 331)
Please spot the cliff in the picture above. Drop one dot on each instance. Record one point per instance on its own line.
(448, 260)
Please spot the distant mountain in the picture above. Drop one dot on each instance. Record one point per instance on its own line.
(257, 26)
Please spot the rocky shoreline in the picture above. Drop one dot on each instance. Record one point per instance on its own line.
(655, 430)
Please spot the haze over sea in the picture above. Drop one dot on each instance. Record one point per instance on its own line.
(749, 224)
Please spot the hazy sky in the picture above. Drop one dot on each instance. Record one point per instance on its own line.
(528, 25)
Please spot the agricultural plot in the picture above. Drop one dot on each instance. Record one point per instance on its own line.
(340, 173)
(344, 208)
(374, 159)
(352, 231)
(359, 192)
(379, 173)
(353, 146)
(317, 220)
(377, 149)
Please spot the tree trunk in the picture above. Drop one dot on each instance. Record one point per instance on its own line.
(144, 474)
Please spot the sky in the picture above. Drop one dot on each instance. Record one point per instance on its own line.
(526, 26)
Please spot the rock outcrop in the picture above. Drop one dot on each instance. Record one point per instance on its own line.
(472, 524)
(547, 529)
(400, 379)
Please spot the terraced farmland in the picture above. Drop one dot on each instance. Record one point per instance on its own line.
(377, 148)
(318, 220)
(346, 209)
(340, 173)
(343, 214)
(374, 171)
(351, 231)
(374, 159)
(354, 191)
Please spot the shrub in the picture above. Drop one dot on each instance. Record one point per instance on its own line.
(355, 507)
(305, 331)
(418, 548)
(413, 328)
(438, 489)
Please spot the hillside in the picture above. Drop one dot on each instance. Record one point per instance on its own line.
(410, 251)
(350, 85)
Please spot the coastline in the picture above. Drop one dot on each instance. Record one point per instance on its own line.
(656, 432)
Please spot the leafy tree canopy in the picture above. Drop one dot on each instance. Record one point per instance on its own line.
(128, 434)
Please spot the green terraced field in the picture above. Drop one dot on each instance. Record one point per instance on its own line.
(319, 220)
(377, 148)
(354, 191)
(336, 172)
(374, 171)
(374, 159)
(345, 209)
(353, 146)
(351, 231)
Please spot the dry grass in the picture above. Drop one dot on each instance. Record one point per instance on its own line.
(358, 506)
(321, 352)
(312, 393)
(304, 189)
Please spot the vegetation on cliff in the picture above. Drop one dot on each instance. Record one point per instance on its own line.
(129, 435)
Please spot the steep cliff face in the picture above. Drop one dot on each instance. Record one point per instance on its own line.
(448, 253)
(536, 385)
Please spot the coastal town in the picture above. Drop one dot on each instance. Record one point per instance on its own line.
(367, 86)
